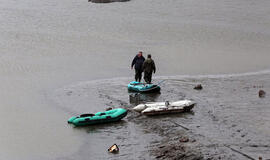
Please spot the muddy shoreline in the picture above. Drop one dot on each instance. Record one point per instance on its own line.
(228, 117)
(232, 124)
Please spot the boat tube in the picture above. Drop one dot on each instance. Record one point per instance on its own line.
(143, 87)
(155, 108)
(98, 118)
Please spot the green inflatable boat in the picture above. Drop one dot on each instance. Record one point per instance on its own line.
(100, 117)
(143, 87)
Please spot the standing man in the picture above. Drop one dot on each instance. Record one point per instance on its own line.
(138, 62)
(148, 68)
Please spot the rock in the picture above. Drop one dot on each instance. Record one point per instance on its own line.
(184, 139)
(106, 1)
(113, 149)
(261, 93)
(198, 87)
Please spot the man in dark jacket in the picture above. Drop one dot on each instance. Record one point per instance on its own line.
(148, 68)
(138, 62)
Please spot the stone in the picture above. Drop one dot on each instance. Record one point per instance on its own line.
(184, 139)
(261, 93)
(198, 87)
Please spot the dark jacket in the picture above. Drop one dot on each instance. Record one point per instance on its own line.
(149, 66)
(138, 62)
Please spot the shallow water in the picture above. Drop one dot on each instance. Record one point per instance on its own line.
(47, 45)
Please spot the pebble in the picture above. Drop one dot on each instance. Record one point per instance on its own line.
(261, 93)
(184, 139)
(198, 87)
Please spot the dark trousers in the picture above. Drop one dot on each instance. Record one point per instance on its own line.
(148, 77)
(138, 75)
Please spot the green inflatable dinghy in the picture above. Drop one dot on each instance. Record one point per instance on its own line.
(100, 117)
(143, 87)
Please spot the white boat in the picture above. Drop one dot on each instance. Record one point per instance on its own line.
(155, 108)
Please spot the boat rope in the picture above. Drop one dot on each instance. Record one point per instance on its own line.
(243, 154)
(179, 125)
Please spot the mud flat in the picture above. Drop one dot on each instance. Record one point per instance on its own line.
(49, 44)
(228, 122)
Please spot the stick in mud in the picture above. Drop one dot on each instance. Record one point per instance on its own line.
(243, 154)
(179, 125)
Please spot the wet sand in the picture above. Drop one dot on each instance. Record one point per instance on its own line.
(47, 45)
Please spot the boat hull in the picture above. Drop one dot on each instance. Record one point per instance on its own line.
(168, 111)
(156, 108)
(142, 87)
(99, 118)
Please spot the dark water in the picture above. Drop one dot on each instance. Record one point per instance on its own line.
(228, 114)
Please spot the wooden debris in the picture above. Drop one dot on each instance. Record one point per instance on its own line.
(113, 149)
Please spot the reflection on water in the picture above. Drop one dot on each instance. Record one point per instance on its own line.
(138, 98)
